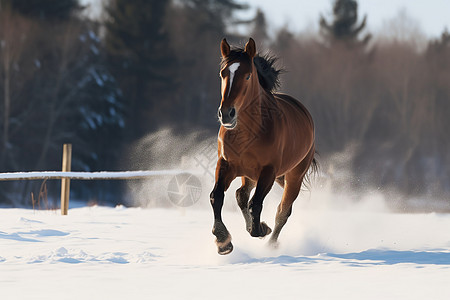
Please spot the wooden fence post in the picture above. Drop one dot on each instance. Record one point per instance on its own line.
(65, 182)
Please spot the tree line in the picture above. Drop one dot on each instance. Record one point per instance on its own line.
(145, 64)
(101, 84)
(384, 102)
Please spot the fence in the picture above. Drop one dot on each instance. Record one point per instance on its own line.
(66, 175)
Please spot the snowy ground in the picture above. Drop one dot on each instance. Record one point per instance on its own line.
(130, 253)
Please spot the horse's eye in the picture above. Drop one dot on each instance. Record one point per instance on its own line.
(248, 77)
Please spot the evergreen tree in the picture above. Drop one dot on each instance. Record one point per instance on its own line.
(140, 58)
(439, 45)
(284, 40)
(196, 28)
(219, 11)
(343, 27)
(43, 9)
(54, 89)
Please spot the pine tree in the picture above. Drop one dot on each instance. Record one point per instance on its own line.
(54, 89)
(196, 29)
(43, 9)
(344, 26)
(140, 58)
(219, 10)
(440, 45)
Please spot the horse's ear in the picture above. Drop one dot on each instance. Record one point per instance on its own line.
(224, 48)
(250, 48)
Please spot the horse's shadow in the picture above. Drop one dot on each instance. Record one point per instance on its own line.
(393, 257)
(360, 259)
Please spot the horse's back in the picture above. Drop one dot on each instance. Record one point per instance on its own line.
(290, 102)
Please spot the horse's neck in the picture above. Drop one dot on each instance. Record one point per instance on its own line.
(255, 100)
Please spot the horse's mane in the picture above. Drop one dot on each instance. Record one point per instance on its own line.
(268, 74)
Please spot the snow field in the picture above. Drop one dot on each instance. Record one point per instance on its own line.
(352, 252)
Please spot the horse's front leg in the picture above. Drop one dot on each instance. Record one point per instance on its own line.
(265, 183)
(224, 176)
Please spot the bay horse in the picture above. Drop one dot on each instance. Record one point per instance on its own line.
(264, 137)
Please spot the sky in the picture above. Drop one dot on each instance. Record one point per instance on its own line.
(432, 16)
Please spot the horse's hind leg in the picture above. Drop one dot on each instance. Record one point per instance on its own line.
(292, 186)
(242, 196)
(284, 210)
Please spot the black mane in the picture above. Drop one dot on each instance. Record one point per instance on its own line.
(268, 75)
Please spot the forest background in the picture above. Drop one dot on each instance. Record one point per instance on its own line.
(144, 65)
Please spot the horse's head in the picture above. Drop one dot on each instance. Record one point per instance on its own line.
(236, 72)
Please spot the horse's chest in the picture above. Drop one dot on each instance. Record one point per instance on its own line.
(246, 152)
(235, 143)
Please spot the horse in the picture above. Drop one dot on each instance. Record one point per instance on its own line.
(264, 137)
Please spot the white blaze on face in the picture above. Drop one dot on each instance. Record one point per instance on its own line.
(233, 68)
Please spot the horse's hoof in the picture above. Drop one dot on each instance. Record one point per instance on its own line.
(225, 249)
(255, 233)
(223, 240)
(262, 232)
(265, 229)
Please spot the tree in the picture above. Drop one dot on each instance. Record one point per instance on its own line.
(343, 27)
(218, 11)
(140, 58)
(259, 28)
(54, 89)
(43, 9)
(196, 28)
(439, 45)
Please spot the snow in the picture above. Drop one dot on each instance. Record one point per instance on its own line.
(357, 252)
(93, 72)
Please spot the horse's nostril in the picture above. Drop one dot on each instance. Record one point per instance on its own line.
(219, 113)
(232, 113)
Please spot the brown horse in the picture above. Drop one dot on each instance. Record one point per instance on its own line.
(263, 137)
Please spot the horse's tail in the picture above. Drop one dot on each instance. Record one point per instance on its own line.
(315, 167)
(312, 172)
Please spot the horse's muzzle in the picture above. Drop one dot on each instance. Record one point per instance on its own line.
(227, 117)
